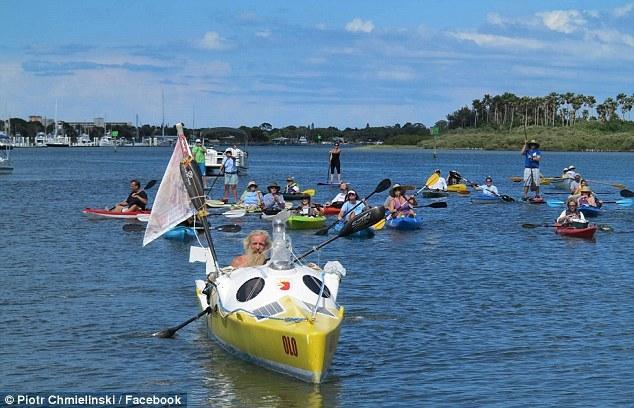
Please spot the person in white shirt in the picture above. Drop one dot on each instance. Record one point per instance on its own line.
(441, 184)
(571, 214)
(488, 188)
(340, 198)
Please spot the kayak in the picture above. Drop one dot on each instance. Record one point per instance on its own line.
(294, 196)
(364, 233)
(330, 210)
(434, 194)
(404, 223)
(297, 222)
(560, 183)
(184, 234)
(486, 199)
(586, 233)
(100, 212)
(590, 211)
(458, 188)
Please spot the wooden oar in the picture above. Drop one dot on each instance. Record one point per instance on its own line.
(382, 186)
(615, 185)
(362, 221)
(626, 193)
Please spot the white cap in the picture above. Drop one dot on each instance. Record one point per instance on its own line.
(198, 141)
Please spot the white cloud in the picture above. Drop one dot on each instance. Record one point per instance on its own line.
(263, 33)
(624, 10)
(396, 74)
(610, 37)
(495, 19)
(358, 25)
(212, 41)
(563, 21)
(488, 40)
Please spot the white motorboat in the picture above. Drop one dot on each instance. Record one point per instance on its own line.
(5, 163)
(106, 140)
(40, 139)
(5, 142)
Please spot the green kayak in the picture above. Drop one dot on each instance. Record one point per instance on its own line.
(296, 222)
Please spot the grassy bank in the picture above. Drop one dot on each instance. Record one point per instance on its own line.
(591, 136)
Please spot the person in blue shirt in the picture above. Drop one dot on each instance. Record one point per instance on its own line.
(252, 197)
(230, 170)
(532, 159)
(273, 201)
(346, 214)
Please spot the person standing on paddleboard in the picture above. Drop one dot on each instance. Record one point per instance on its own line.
(230, 170)
(335, 163)
(136, 201)
(532, 159)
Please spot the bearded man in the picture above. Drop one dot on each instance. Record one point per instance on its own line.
(256, 244)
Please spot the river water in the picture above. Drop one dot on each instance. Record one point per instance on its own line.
(471, 310)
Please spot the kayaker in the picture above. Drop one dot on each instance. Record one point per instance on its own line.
(340, 198)
(488, 188)
(440, 185)
(136, 201)
(273, 201)
(305, 208)
(291, 186)
(199, 151)
(575, 184)
(230, 170)
(454, 178)
(399, 205)
(252, 197)
(256, 244)
(346, 214)
(571, 214)
(532, 158)
(587, 198)
(335, 163)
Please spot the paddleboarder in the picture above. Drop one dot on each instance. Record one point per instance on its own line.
(335, 163)
(256, 244)
(136, 201)
(532, 159)
(230, 170)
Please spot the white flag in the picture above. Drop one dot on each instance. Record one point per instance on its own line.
(172, 204)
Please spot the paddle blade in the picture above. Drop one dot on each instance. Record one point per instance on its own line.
(379, 225)
(383, 185)
(605, 227)
(311, 192)
(531, 225)
(507, 198)
(229, 228)
(149, 185)
(516, 179)
(362, 221)
(234, 213)
(437, 204)
(626, 202)
(432, 180)
(626, 193)
(554, 203)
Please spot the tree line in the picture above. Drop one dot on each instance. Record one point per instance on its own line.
(555, 109)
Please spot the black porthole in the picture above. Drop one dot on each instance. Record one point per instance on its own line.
(314, 285)
(250, 289)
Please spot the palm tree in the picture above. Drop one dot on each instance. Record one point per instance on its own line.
(576, 103)
(590, 101)
(621, 99)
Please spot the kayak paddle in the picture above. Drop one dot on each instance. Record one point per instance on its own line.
(169, 332)
(382, 186)
(436, 204)
(222, 228)
(615, 185)
(600, 227)
(360, 222)
(503, 197)
(626, 202)
(626, 193)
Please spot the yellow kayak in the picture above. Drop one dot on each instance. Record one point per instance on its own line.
(458, 188)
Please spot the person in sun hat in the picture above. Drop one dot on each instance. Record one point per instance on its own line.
(532, 159)
(198, 153)
(399, 205)
(291, 186)
(571, 214)
(440, 185)
(252, 197)
(587, 198)
(273, 201)
(347, 213)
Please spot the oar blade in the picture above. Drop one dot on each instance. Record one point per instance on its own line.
(432, 180)
(362, 221)
(228, 228)
(531, 225)
(626, 193)
(554, 203)
(165, 334)
(626, 202)
(437, 204)
(383, 185)
(149, 185)
(234, 213)
(311, 192)
(507, 198)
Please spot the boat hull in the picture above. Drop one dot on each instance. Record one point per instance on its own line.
(303, 350)
(590, 211)
(485, 199)
(181, 233)
(330, 210)
(404, 223)
(101, 213)
(586, 233)
(458, 188)
(559, 183)
(300, 222)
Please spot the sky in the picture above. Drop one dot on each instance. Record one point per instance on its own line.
(343, 63)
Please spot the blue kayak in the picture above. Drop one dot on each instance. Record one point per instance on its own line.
(485, 199)
(184, 234)
(364, 233)
(404, 223)
(590, 211)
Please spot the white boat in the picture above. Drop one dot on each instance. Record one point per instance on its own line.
(58, 141)
(40, 139)
(84, 141)
(5, 142)
(5, 163)
(302, 140)
(106, 140)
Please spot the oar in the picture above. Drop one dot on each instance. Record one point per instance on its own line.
(362, 221)
(436, 204)
(311, 192)
(600, 227)
(382, 186)
(235, 213)
(565, 192)
(379, 225)
(554, 203)
(626, 193)
(615, 185)
(502, 197)
(148, 186)
(223, 228)
(626, 202)
(169, 332)
(430, 180)
(212, 184)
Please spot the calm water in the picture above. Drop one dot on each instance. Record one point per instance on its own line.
(471, 310)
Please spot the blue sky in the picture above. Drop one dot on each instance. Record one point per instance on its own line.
(331, 63)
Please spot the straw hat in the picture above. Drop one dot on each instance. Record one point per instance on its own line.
(533, 142)
(571, 167)
(252, 183)
(290, 178)
(396, 187)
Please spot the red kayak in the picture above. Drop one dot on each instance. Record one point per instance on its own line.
(586, 233)
(100, 212)
(329, 210)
